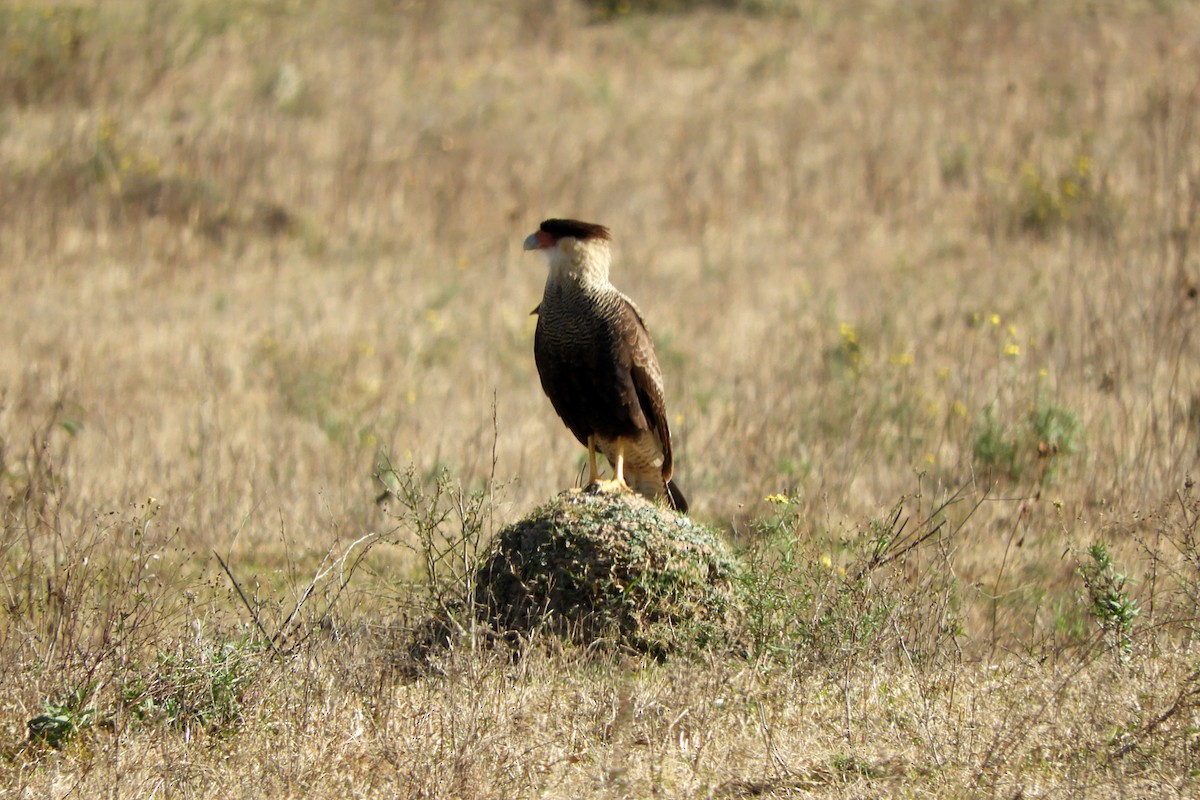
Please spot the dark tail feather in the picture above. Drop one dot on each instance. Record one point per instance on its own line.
(675, 495)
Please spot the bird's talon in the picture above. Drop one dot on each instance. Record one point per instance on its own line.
(607, 487)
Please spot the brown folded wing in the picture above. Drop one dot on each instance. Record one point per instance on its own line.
(648, 382)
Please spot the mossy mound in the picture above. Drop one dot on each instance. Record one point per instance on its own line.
(612, 569)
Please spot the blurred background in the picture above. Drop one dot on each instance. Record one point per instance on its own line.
(254, 251)
(922, 277)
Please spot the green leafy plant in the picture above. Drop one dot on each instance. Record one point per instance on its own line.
(1036, 444)
(200, 686)
(1109, 602)
(996, 447)
(1055, 432)
(65, 717)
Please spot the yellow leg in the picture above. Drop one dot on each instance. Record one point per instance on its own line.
(617, 484)
(619, 467)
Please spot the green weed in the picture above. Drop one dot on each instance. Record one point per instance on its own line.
(1035, 445)
(1108, 600)
(65, 717)
(192, 686)
(996, 447)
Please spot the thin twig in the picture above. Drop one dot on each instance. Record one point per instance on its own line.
(881, 557)
(246, 602)
(320, 575)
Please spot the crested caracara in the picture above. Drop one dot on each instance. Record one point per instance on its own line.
(597, 362)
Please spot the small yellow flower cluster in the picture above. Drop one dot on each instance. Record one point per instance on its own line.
(777, 499)
(1045, 201)
(850, 347)
(826, 560)
(1010, 348)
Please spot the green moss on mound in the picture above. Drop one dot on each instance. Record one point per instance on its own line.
(614, 569)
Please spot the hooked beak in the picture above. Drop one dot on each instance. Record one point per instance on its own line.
(538, 240)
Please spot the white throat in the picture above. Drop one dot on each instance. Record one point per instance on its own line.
(582, 263)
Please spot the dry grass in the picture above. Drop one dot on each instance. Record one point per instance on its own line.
(924, 285)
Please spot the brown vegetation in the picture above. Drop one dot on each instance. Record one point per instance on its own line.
(922, 281)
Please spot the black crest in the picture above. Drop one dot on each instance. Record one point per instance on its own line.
(560, 228)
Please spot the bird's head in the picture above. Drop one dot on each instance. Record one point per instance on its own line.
(573, 248)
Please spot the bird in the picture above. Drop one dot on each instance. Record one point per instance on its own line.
(597, 365)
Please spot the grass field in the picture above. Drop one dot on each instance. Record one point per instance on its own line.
(923, 284)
